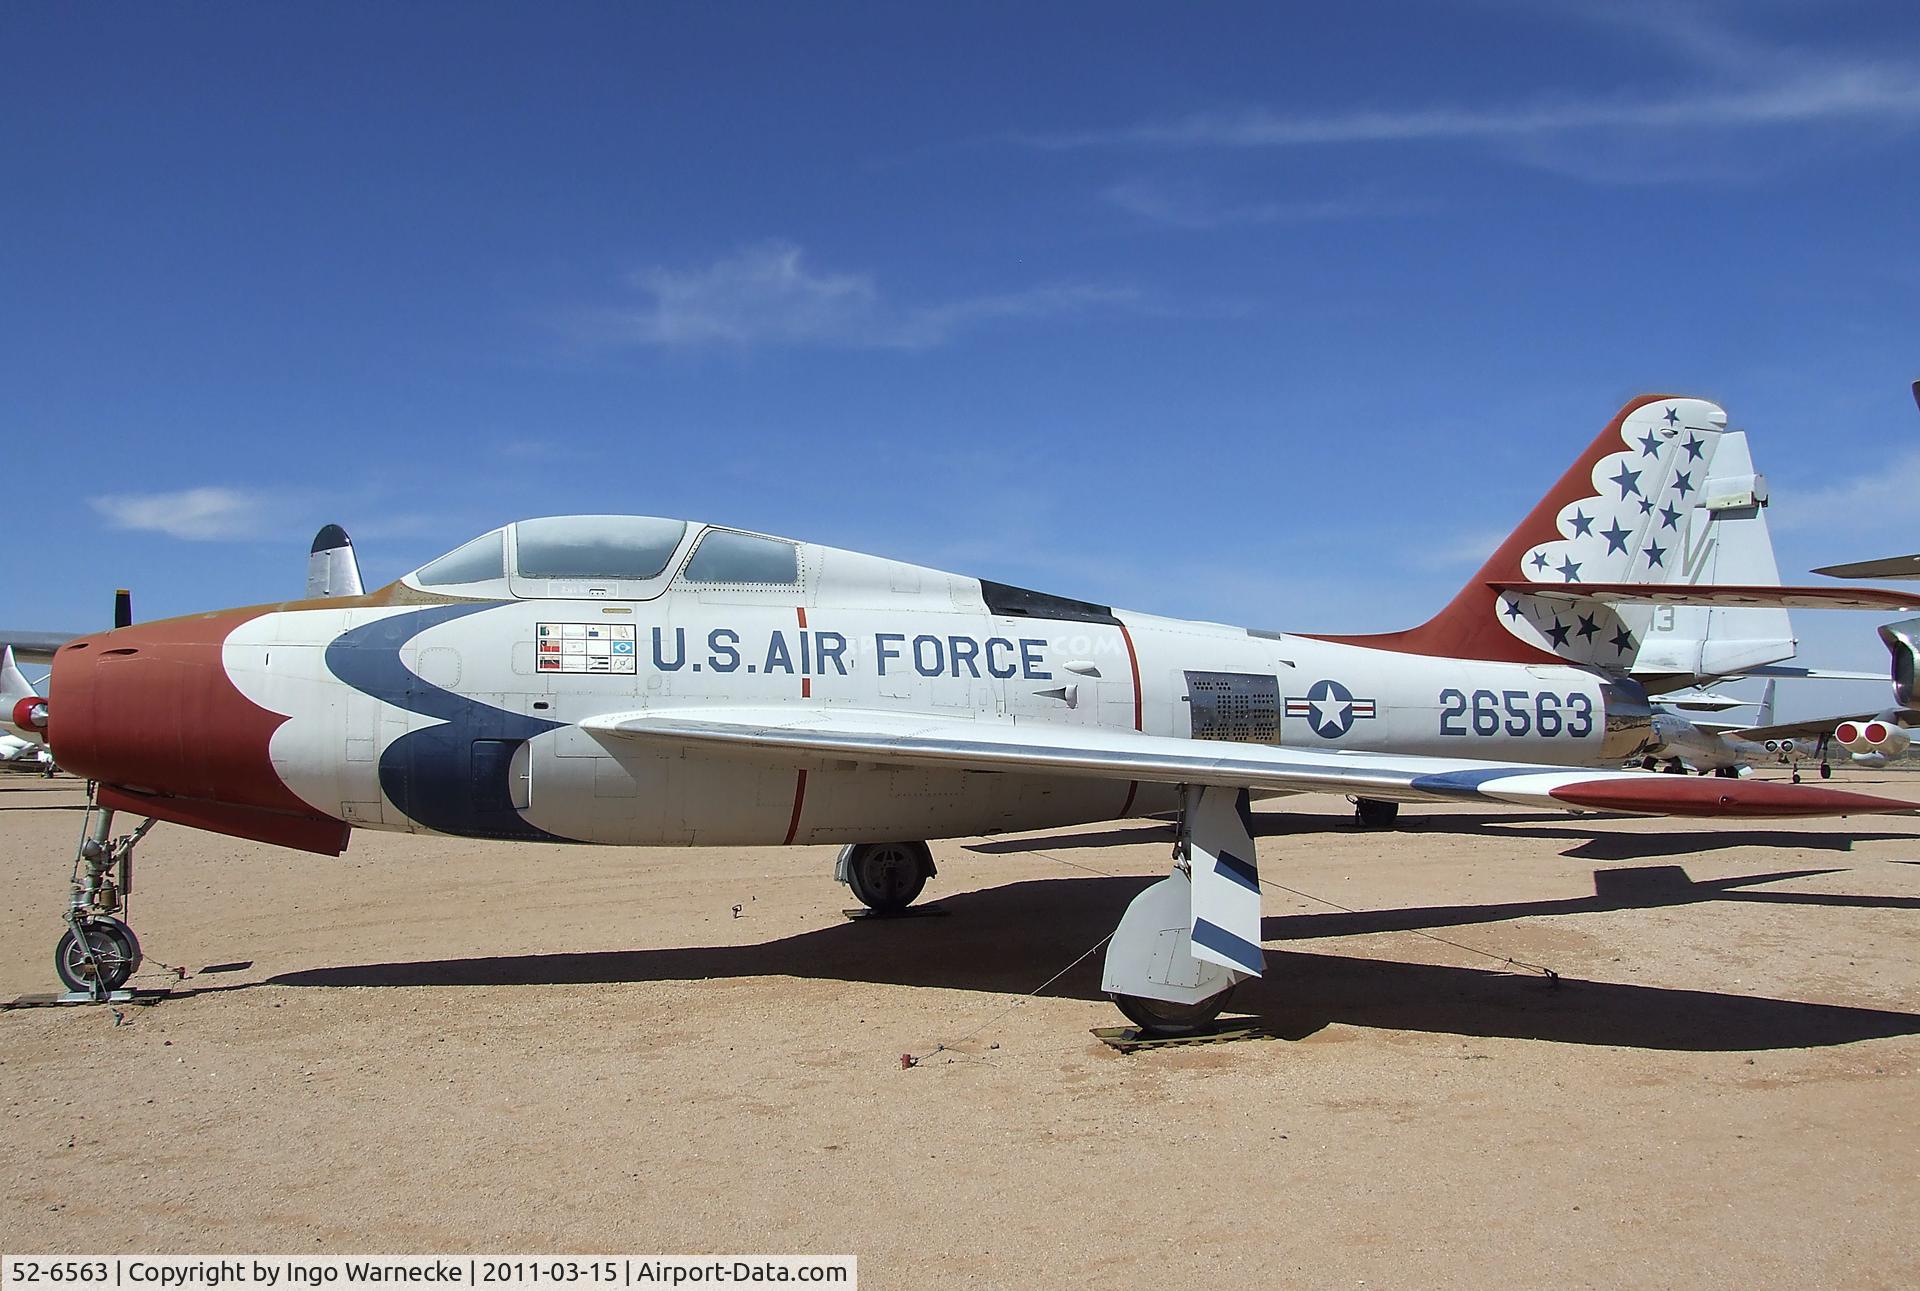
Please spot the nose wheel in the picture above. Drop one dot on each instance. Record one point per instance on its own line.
(97, 957)
(98, 954)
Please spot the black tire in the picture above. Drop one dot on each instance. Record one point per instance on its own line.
(1826, 772)
(887, 877)
(1372, 813)
(1163, 1018)
(115, 948)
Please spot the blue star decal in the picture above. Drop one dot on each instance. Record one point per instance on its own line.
(1512, 610)
(1650, 446)
(1693, 447)
(1588, 627)
(1629, 481)
(1570, 570)
(1616, 538)
(1558, 632)
(1684, 482)
(1582, 524)
(1672, 416)
(1646, 506)
(1623, 641)
(1669, 517)
(1656, 555)
(1539, 560)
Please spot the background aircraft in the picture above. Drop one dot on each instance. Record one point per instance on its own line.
(1885, 566)
(1871, 739)
(647, 681)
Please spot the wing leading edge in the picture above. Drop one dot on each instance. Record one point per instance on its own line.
(1102, 753)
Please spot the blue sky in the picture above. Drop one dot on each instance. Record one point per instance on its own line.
(1274, 314)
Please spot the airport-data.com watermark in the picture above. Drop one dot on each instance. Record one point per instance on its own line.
(480, 1272)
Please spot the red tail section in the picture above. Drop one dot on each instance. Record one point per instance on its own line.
(1469, 627)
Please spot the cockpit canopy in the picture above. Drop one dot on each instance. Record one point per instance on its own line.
(615, 556)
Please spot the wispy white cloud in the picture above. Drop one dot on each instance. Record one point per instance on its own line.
(1873, 504)
(1886, 93)
(1463, 551)
(1739, 86)
(1195, 207)
(206, 514)
(769, 294)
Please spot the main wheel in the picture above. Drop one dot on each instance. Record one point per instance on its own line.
(1163, 1017)
(1826, 772)
(888, 876)
(115, 949)
(1372, 813)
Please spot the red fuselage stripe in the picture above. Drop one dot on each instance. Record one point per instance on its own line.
(799, 800)
(806, 683)
(1133, 662)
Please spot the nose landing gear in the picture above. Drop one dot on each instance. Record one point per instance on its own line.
(98, 954)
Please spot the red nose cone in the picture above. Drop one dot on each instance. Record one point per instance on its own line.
(149, 711)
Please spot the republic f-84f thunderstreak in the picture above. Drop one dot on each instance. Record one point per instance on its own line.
(655, 682)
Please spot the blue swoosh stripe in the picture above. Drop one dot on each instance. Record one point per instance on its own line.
(1454, 781)
(1247, 876)
(1238, 949)
(432, 774)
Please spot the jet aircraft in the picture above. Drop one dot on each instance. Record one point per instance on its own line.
(647, 681)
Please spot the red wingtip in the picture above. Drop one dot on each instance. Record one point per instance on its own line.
(1468, 628)
(1717, 796)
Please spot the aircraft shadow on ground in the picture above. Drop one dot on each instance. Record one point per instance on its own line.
(1588, 844)
(1008, 940)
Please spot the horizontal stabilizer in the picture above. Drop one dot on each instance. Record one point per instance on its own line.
(1795, 673)
(1888, 567)
(1794, 598)
(780, 735)
(35, 647)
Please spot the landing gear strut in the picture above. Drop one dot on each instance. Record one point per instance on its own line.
(99, 954)
(1184, 943)
(886, 877)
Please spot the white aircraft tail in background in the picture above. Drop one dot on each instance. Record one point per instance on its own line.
(332, 569)
(18, 701)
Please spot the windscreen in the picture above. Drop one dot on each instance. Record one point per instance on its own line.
(627, 547)
(477, 561)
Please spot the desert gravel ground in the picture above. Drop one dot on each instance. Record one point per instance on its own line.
(435, 1045)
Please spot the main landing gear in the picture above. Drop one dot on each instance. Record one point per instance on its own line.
(99, 954)
(886, 877)
(1375, 813)
(1187, 941)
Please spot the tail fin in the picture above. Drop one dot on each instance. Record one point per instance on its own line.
(1763, 716)
(332, 569)
(1649, 501)
(16, 693)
